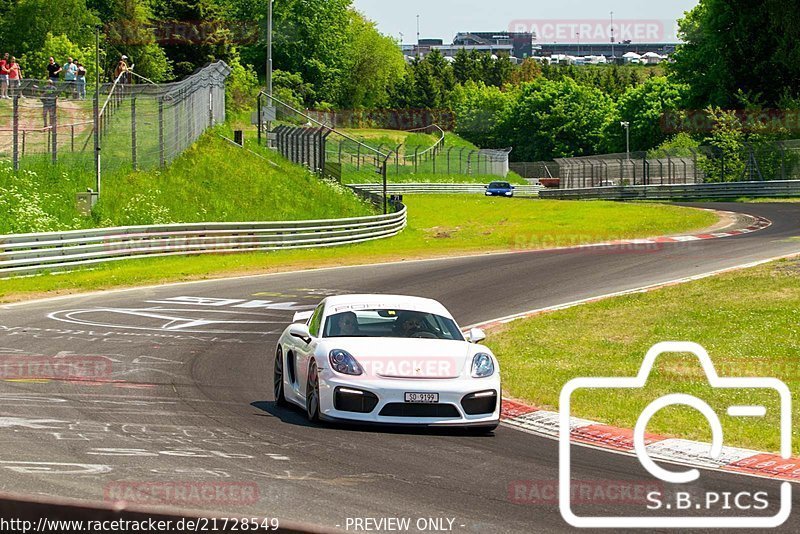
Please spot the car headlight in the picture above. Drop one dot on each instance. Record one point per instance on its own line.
(482, 365)
(343, 362)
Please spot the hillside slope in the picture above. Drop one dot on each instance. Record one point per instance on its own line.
(212, 181)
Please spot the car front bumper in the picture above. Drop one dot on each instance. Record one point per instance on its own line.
(390, 394)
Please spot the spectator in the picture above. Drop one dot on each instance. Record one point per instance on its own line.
(80, 80)
(70, 73)
(121, 72)
(49, 98)
(4, 72)
(53, 70)
(14, 76)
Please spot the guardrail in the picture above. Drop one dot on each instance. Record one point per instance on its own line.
(411, 189)
(721, 190)
(29, 253)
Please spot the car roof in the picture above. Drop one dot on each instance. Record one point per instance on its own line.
(342, 303)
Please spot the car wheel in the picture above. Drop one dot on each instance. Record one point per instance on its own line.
(280, 396)
(312, 393)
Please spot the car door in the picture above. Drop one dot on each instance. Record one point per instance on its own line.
(305, 352)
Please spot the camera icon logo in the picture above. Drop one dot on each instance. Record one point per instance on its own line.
(668, 476)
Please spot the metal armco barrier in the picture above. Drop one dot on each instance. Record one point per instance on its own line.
(452, 189)
(722, 190)
(29, 253)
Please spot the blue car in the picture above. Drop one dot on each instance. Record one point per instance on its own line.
(500, 189)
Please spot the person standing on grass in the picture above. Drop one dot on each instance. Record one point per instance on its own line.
(4, 72)
(49, 97)
(121, 72)
(70, 73)
(14, 77)
(53, 70)
(80, 80)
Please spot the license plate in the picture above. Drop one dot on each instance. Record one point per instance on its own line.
(422, 398)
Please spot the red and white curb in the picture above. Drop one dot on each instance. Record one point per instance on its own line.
(756, 224)
(680, 451)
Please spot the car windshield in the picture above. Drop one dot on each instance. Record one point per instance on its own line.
(499, 185)
(391, 323)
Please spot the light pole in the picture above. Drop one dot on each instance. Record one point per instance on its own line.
(627, 126)
(578, 35)
(269, 74)
(613, 55)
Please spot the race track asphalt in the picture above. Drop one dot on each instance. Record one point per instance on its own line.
(187, 397)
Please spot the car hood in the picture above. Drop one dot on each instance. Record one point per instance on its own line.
(406, 358)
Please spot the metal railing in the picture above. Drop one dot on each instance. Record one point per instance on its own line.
(29, 253)
(433, 188)
(715, 190)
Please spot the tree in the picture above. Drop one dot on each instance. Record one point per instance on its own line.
(373, 64)
(26, 26)
(740, 45)
(552, 119)
(644, 107)
(60, 47)
(129, 32)
(529, 71)
(478, 109)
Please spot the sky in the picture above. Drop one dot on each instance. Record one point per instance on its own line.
(442, 19)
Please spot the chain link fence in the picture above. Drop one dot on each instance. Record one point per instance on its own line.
(765, 161)
(351, 158)
(138, 126)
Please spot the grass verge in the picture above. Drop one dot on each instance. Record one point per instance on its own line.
(439, 225)
(747, 320)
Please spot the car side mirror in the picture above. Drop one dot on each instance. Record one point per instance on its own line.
(300, 331)
(476, 335)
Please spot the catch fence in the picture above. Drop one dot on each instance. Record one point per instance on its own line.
(138, 125)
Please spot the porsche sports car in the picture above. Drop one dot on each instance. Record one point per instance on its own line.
(387, 359)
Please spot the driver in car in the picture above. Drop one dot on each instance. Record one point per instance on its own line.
(346, 324)
(410, 324)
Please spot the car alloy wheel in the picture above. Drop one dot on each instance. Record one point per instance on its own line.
(280, 397)
(312, 393)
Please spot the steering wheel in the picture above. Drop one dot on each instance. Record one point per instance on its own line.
(424, 335)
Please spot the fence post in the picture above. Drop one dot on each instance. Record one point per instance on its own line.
(358, 161)
(397, 158)
(54, 128)
(210, 108)
(161, 156)
(133, 134)
(783, 159)
(416, 158)
(176, 114)
(449, 150)
(15, 135)
(434, 160)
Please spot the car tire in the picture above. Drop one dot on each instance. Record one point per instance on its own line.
(277, 380)
(312, 393)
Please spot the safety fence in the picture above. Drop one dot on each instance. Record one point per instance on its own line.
(29, 253)
(446, 189)
(719, 190)
(352, 158)
(746, 162)
(138, 126)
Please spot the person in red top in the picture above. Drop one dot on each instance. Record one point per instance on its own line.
(14, 76)
(4, 72)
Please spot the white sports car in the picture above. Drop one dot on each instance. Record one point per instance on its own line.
(387, 359)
